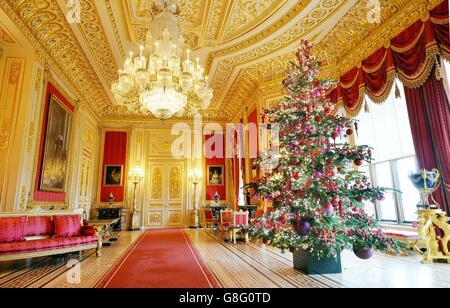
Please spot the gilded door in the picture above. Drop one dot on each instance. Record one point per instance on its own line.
(165, 195)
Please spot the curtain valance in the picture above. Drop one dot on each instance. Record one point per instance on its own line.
(411, 56)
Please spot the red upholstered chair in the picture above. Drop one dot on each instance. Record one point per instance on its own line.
(209, 220)
(240, 220)
(226, 223)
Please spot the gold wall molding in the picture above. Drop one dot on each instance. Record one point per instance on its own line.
(31, 140)
(11, 95)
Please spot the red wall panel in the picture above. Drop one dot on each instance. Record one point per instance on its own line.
(115, 153)
(44, 196)
(216, 161)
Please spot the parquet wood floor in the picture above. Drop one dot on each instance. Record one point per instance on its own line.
(235, 266)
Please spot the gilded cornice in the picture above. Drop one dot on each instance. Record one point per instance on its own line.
(217, 11)
(255, 79)
(95, 37)
(115, 27)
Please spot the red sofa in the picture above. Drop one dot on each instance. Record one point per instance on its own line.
(29, 236)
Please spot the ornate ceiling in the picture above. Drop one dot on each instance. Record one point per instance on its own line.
(243, 43)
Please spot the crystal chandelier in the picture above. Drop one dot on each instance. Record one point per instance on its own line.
(163, 79)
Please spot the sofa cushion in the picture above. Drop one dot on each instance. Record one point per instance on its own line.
(46, 244)
(12, 229)
(67, 226)
(39, 225)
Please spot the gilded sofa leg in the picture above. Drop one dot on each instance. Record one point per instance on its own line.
(99, 243)
(99, 249)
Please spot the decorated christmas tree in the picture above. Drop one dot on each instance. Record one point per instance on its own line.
(316, 193)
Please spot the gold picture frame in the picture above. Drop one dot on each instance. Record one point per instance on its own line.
(215, 175)
(113, 176)
(53, 175)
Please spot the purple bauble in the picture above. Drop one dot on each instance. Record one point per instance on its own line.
(304, 228)
(364, 253)
(329, 210)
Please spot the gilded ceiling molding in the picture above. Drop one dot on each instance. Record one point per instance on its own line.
(247, 15)
(217, 12)
(323, 10)
(137, 12)
(256, 78)
(115, 27)
(288, 17)
(94, 35)
(46, 28)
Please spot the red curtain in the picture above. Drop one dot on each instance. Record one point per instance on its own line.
(429, 113)
(411, 56)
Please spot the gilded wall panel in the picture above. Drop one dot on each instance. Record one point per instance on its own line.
(10, 99)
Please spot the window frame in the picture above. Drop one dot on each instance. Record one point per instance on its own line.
(399, 206)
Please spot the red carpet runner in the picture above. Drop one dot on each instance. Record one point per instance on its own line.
(160, 259)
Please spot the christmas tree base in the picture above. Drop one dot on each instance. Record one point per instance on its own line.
(314, 266)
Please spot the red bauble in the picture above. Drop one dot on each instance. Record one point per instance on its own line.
(335, 202)
(359, 199)
(329, 161)
(349, 132)
(296, 175)
(359, 162)
(317, 118)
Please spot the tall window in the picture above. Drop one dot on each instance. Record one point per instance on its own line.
(386, 128)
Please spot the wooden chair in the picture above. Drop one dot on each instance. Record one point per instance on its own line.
(241, 219)
(226, 223)
(209, 220)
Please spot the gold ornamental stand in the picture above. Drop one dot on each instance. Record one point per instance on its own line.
(437, 243)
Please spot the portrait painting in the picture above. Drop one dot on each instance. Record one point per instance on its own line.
(215, 176)
(56, 147)
(113, 175)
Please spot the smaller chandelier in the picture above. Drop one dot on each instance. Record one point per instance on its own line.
(163, 79)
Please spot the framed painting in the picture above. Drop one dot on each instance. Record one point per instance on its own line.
(215, 176)
(56, 147)
(113, 176)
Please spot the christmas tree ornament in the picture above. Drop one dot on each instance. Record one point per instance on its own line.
(358, 162)
(364, 253)
(304, 228)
